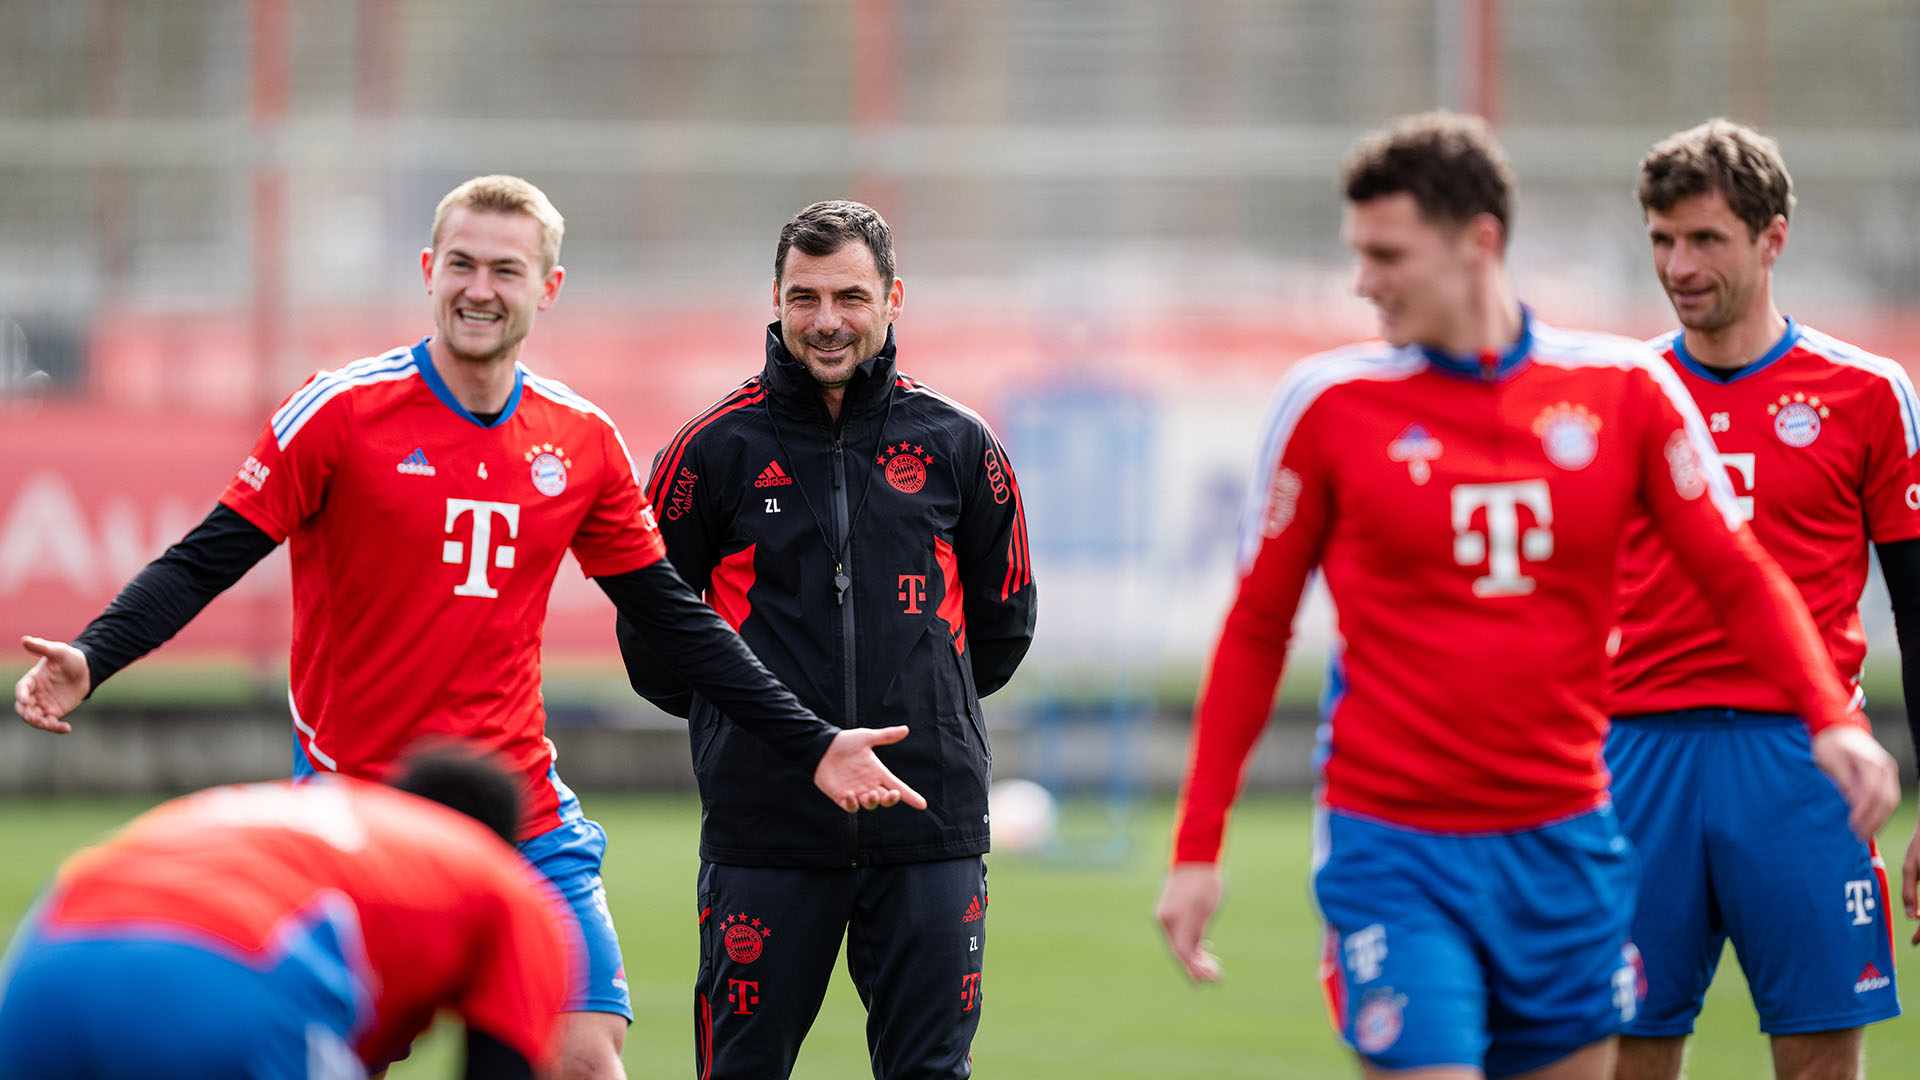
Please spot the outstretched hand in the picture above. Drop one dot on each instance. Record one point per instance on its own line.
(53, 686)
(1187, 903)
(1864, 772)
(855, 778)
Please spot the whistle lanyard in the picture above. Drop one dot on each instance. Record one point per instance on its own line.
(841, 580)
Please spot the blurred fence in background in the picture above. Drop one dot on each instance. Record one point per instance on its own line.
(1116, 220)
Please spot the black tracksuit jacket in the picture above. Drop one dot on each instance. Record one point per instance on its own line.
(764, 501)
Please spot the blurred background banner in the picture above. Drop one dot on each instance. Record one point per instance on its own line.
(1117, 222)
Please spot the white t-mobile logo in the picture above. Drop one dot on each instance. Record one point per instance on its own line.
(1626, 983)
(1624, 997)
(1503, 544)
(1366, 951)
(483, 547)
(1741, 465)
(1860, 901)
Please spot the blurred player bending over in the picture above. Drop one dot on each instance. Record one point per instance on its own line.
(1463, 486)
(428, 495)
(294, 933)
(1739, 834)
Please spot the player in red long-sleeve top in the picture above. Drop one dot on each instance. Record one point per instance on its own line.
(271, 930)
(1463, 486)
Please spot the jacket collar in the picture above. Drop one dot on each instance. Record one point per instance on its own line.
(788, 382)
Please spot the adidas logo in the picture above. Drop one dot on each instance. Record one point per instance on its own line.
(772, 476)
(974, 912)
(415, 464)
(1871, 979)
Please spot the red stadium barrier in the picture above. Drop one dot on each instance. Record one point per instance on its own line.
(97, 485)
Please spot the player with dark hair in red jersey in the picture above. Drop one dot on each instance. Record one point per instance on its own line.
(1464, 485)
(304, 932)
(1741, 837)
(427, 496)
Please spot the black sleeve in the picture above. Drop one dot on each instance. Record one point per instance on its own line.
(1900, 564)
(996, 573)
(680, 500)
(670, 639)
(490, 1059)
(171, 590)
(649, 673)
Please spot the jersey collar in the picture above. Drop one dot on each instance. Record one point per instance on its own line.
(788, 379)
(1780, 348)
(1489, 367)
(423, 358)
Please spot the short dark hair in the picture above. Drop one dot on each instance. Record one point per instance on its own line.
(826, 227)
(465, 780)
(1720, 155)
(1447, 161)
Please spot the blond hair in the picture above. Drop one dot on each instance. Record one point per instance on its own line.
(503, 194)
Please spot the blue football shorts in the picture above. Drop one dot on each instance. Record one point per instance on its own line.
(1744, 839)
(569, 856)
(148, 1002)
(1503, 951)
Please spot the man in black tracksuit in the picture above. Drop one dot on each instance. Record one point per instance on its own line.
(865, 536)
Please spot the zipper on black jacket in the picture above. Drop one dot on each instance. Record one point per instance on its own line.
(843, 583)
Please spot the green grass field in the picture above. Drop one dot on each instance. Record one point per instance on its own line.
(1077, 981)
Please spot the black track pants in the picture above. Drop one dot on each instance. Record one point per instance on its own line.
(915, 933)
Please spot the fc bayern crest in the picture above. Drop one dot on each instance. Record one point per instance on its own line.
(549, 468)
(1569, 434)
(745, 938)
(906, 466)
(1377, 1025)
(1796, 419)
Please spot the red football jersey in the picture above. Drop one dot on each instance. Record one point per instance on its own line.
(1818, 438)
(424, 545)
(1467, 517)
(448, 915)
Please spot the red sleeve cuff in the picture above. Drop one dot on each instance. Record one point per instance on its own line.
(257, 516)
